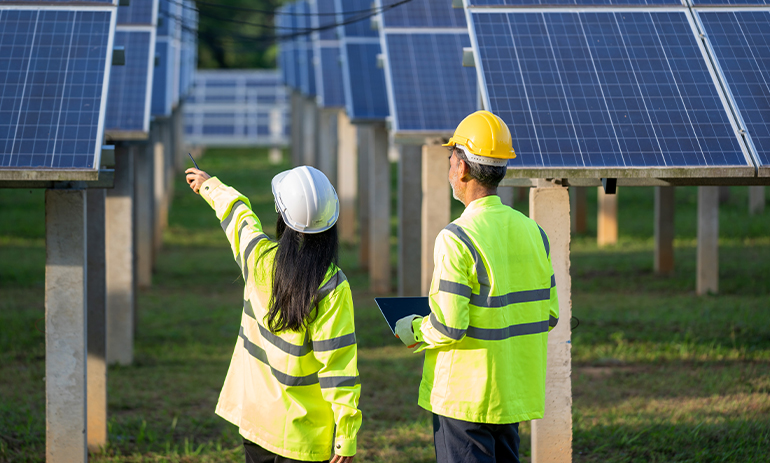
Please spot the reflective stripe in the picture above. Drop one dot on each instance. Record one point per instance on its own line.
(552, 321)
(334, 343)
(226, 222)
(516, 297)
(338, 381)
(287, 380)
(545, 242)
(553, 281)
(248, 309)
(481, 270)
(452, 333)
(249, 248)
(284, 345)
(498, 334)
(458, 289)
(334, 281)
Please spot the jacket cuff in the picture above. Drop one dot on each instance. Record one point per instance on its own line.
(345, 446)
(208, 188)
(416, 324)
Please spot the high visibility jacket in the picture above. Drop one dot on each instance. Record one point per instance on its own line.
(493, 301)
(286, 391)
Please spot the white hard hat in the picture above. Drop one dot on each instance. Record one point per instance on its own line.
(306, 199)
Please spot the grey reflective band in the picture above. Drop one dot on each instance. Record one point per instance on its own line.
(229, 218)
(552, 321)
(452, 333)
(249, 248)
(458, 289)
(285, 346)
(517, 297)
(545, 242)
(481, 270)
(499, 334)
(553, 281)
(334, 343)
(248, 309)
(338, 381)
(334, 281)
(287, 380)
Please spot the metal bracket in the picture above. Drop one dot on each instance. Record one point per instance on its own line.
(119, 56)
(469, 61)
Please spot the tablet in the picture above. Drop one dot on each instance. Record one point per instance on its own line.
(396, 308)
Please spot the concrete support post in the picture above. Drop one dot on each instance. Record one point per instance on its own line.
(607, 225)
(756, 200)
(144, 199)
(436, 199)
(708, 240)
(379, 211)
(578, 208)
(276, 133)
(97, 323)
(180, 151)
(65, 322)
(297, 110)
(664, 230)
(365, 135)
(552, 435)
(160, 209)
(327, 143)
(347, 177)
(310, 133)
(119, 241)
(409, 220)
(506, 194)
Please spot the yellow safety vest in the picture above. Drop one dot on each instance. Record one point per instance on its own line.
(287, 391)
(493, 301)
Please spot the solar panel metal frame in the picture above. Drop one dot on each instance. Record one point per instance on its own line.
(70, 174)
(640, 175)
(126, 135)
(763, 170)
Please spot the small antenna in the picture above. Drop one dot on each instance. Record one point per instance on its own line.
(193, 160)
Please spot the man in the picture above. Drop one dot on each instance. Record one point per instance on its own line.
(493, 301)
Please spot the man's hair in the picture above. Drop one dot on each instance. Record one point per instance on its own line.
(487, 176)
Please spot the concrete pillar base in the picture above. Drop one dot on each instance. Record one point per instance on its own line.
(552, 435)
(708, 240)
(756, 200)
(409, 220)
(365, 135)
(607, 225)
(347, 177)
(379, 211)
(436, 199)
(578, 209)
(664, 230)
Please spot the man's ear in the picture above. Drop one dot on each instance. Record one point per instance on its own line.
(463, 171)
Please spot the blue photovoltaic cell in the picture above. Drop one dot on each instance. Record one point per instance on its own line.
(52, 74)
(166, 17)
(432, 90)
(126, 97)
(162, 87)
(306, 64)
(365, 93)
(350, 10)
(325, 16)
(730, 2)
(137, 12)
(423, 13)
(332, 93)
(575, 2)
(741, 41)
(604, 89)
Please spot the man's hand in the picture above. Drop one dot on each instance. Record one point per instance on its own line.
(341, 459)
(195, 178)
(405, 332)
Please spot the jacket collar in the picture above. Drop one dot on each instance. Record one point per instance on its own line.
(482, 203)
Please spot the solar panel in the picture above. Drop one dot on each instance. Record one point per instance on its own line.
(606, 90)
(138, 12)
(54, 65)
(128, 100)
(167, 15)
(306, 61)
(365, 94)
(329, 78)
(729, 2)
(352, 10)
(161, 81)
(576, 2)
(740, 40)
(423, 13)
(430, 91)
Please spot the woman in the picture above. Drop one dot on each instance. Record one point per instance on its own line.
(293, 377)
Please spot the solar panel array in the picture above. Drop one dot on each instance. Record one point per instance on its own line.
(429, 90)
(626, 90)
(176, 55)
(130, 90)
(326, 49)
(237, 108)
(53, 81)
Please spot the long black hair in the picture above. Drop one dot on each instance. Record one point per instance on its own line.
(300, 265)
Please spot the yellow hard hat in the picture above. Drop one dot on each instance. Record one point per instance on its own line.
(484, 135)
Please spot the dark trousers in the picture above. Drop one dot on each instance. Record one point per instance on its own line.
(460, 441)
(258, 454)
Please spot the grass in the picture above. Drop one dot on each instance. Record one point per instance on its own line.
(659, 374)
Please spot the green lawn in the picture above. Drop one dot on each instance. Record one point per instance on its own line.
(659, 374)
